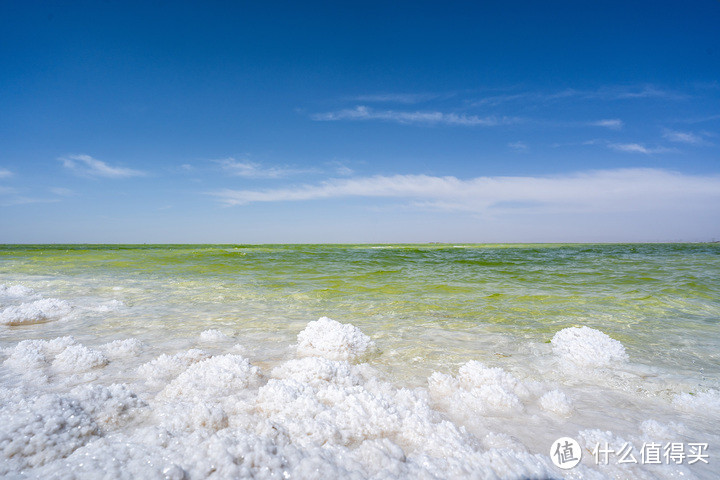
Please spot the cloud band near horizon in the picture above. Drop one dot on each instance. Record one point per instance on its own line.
(591, 191)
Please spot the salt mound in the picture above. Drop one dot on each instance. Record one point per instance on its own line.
(44, 359)
(703, 402)
(215, 377)
(333, 340)
(477, 389)
(587, 347)
(39, 311)
(213, 335)
(34, 354)
(109, 306)
(316, 371)
(375, 430)
(557, 402)
(219, 417)
(165, 367)
(122, 348)
(16, 291)
(78, 358)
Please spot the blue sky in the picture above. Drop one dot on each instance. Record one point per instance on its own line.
(359, 121)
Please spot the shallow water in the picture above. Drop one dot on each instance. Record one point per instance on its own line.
(426, 308)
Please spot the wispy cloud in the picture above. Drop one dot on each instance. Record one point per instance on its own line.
(586, 143)
(86, 165)
(619, 190)
(639, 148)
(4, 173)
(405, 98)
(255, 170)
(340, 168)
(606, 93)
(421, 117)
(645, 91)
(703, 119)
(518, 146)
(612, 123)
(685, 137)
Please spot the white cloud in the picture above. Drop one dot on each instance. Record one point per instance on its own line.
(684, 137)
(638, 148)
(612, 123)
(606, 93)
(4, 173)
(495, 100)
(428, 118)
(255, 170)
(340, 168)
(518, 146)
(646, 91)
(88, 166)
(407, 98)
(621, 190)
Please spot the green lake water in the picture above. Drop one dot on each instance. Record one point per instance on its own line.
(428, 308)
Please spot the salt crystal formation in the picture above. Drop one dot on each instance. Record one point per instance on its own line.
(192, 415)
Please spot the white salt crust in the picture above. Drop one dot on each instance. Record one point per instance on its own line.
(707, 402)
(165, 367)
(20, 305)
(38, 311)
(15, 291)
(191, 415)
(333, 340)
(41, 429)
(556, 402)
(128, 347)
(213, 335)
(587, 347)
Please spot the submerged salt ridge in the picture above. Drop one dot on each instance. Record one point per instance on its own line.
(318, 414)
(20, 305)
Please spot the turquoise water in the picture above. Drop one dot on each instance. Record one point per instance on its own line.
(427, 308)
